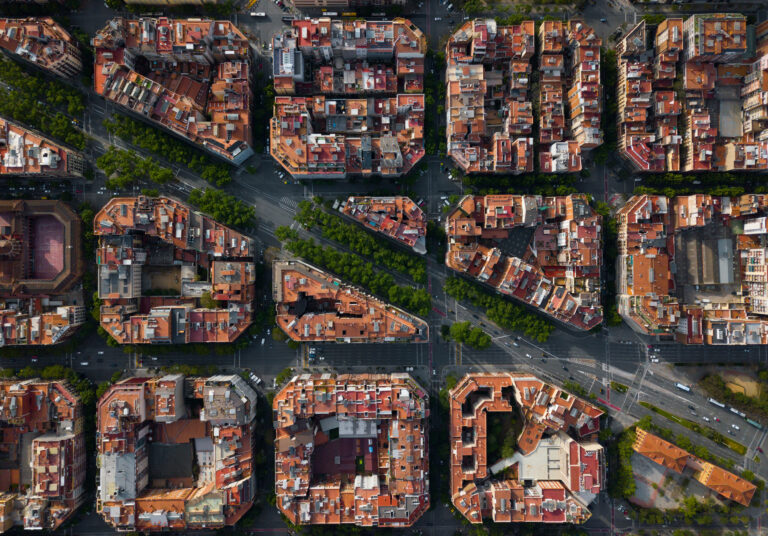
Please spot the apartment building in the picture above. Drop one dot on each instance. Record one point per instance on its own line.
(189, 76)
(43, 472)
(303, 4)
(585, 98)
(554, 265)
(151, 435)
(159, 265)
(352, 449)
(397, 217)
(40, 264)
(489, 111)
(42, 42)
(649, 106)
(558, 467)
(314, 306)
(25, 153)
(350, 99)
(696, 101)
(716, 292)
(726, 484)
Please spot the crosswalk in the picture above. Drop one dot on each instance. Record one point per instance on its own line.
(288, 203)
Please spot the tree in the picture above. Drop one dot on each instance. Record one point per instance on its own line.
(207, 302)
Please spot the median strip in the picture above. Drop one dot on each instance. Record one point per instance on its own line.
(706, 431)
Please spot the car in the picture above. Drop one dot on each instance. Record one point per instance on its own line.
(692, 408)
(760, 450)
(565, 368)
(654, 360)
(731, 432)
(603, 20)
(717, 419)
(420, 202)
(100, 352)
(514, 343)
(438, 19)
(34, 359)
(735, 427)
(153, 358)
(269, 331)
(312, 352)
(258, 14)
(529, 356)
(434, 372)
(262, 341)
(706, 419)
(84, 363)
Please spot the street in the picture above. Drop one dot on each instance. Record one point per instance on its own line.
(592, 360)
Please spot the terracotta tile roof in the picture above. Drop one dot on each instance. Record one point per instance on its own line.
(50, 415)
(29, 154)
(527, 487)
(216, 413)
(196, 84)
(566, 243)
(352, 449)
(170, 233)
(725, 483)
(397, 217)
(312, 305)
(42, 42)
(315, 135)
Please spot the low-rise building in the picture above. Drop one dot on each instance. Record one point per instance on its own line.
(691, 268)
(557, 469)
(397, 217)
(189, 76)
(151, 435)
(350, 98)
(352, 449)
(724, 483)
(42, 42)
(42, 478)
(314, 306)
(24, 153)
(40, 264)
(150, 255)
(554, 262)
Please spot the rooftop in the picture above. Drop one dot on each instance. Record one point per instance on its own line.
(191, 76)
(42, 42)
(158, 243)
(349, 98)
(397, 217)
(724, 483)
(689, 267)
(26, 153)
(352, 449)
(543, 251)
(42, 450)
(150, 485)
(551, 478)
(312, 305)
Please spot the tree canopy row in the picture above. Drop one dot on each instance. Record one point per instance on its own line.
(500, 310)
(334, 228)
(176, 151)
(51, 92)
(223, 207)
(125, 168)
(357, 271)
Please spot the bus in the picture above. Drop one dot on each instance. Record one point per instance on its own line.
(330, 14)
(716, 403)
(755, 424)
(683, 387)
(739, 413)
(349, 14)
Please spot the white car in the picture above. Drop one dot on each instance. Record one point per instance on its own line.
(438, 19)
(84, 363)
(101, 352)
(735, 427)
(515, 344)
(706, 419)
(529, 356)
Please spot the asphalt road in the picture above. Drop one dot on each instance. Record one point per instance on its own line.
(592, 360)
